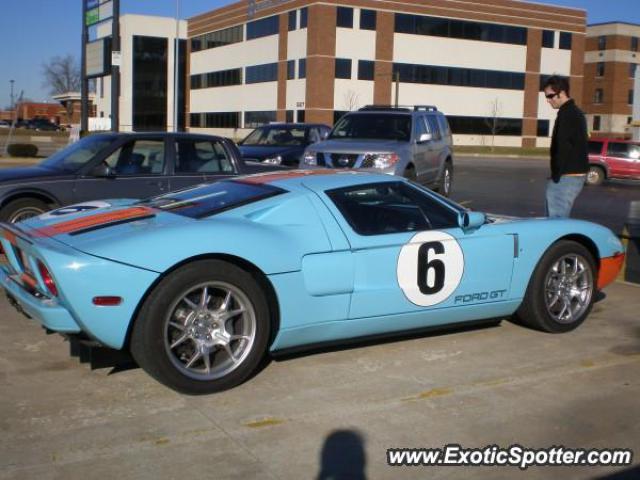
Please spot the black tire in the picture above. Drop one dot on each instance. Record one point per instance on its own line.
(446, 180)
(23, 208)
(156, 328)
(539, 310)
(595, 176)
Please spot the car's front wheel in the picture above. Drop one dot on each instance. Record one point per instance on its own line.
(446, 181)
(203, 329)
(561, 290)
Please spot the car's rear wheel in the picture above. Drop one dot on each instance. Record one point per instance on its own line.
(203, 329)
(21, 209)
(595, 175)
(561, 290)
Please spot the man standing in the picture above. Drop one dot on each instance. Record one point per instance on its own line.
(569, 157)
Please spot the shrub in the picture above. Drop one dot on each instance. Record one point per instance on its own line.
(22, 150)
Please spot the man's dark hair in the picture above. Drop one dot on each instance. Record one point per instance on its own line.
(557, 84)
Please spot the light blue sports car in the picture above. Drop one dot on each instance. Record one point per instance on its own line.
(200, 285)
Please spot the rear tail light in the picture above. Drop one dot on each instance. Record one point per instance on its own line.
(47, 279)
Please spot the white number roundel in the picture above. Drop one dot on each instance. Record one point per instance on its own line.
(77, 208)
(430, 267)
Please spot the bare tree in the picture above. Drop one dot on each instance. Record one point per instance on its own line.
(493, 121)
(351, 100)
(62, 75)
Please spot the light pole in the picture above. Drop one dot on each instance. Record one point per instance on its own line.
(12, 82)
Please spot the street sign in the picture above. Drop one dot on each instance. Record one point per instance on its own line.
(101, 11)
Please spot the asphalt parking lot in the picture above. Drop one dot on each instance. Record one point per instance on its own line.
(333, 413)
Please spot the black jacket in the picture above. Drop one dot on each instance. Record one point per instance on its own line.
(569, 142)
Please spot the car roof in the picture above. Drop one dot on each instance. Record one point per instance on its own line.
(317, 179)
(155, 135)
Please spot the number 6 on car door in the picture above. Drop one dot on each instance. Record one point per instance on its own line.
(430, 268)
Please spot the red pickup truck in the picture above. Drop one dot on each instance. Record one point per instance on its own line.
(612, 158)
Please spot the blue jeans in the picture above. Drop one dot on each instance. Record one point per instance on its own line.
(561, 195)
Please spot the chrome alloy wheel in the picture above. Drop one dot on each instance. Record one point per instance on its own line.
(568, 288)
(210, 330)
(25, 213)
(446, 183)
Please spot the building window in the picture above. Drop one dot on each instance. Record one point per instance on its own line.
(367, 19)
(304, 13)
(632, 70)
(444, 27)
(484, 125)
(462, 77)
(630, 97)
(542, 129)
(600, 69)
(634, 44)
(263, 27)
(565, 41)
(343, 68)
(223, 78)
(292, 19)
(344, 17)
(291, 69)
(289, 116)
(598, 96)
(302, 68)
(262, 73)
(149, 102)
(255, 119)
(366, 69)
(629, 120)
(216, 39)
(222, 120)
(300, 116)
(101, 82)
(596, 123)
(548, 38)
(602, 42)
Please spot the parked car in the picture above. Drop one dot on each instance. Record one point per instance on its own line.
(412, 142)
(5, 124)
(200, 285)
(42, 124)
(135, 165)
(612, 158)
(281, 143)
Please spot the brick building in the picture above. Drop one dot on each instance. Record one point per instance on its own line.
(612, 56)
(257, 61)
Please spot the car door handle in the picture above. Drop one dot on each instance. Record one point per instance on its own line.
(156, 183)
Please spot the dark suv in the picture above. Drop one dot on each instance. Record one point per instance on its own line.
(612, 158)
(412, 142)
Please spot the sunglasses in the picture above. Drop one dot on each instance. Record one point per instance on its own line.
(551, 95)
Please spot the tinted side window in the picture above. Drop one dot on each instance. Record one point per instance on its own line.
(202, 157)
(433, 127)
(385, 208)
(623, 150)
(139, 157)
(595, 148)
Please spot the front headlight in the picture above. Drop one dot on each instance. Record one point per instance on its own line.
(310, 158)
(382, 160)
(277, 160)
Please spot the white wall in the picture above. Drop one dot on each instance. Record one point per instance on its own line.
(253, 97)
(355, 44)
(253, 52)
(487, 141)
(352, 94)
(555, 62)
(296, 93)
(452, 52)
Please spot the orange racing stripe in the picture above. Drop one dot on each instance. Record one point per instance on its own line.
(609, 269)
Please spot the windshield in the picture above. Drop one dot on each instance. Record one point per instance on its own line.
(206, 200)
(77, 154)
(276, 136)
(383, 126)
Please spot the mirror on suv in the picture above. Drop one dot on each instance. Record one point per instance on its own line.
(425, 137)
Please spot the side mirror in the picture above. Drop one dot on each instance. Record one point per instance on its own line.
(425, 137)
(471, 220)
(102, 170)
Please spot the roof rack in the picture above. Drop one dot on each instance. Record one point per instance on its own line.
(403, 108)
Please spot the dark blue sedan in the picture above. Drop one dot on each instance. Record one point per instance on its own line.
(133, 165)
(281, 143)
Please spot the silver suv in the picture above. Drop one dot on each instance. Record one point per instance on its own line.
(412, 142)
